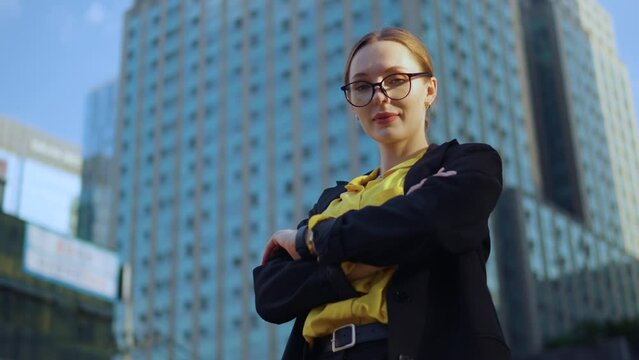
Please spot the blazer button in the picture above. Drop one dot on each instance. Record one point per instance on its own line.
(404, 357)
(401, 296)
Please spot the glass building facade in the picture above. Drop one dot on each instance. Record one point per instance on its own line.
(618, 113)
(42, 177)
(231, 122)
(97, 165)
(572, 248)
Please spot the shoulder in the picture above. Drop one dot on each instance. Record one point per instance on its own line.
(329, 194)
(468, 148)
(338, 188)
(475, 158)
(475, 151)
(453, 150)
(475, 154)
(438, 154)
(452, 155)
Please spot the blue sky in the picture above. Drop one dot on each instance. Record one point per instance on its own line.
(53, 52)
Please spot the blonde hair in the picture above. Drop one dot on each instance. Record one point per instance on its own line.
(399, 35)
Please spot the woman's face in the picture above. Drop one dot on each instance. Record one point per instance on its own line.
(392, 121)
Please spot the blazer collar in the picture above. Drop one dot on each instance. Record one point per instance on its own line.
(429, 164)
(426, 166)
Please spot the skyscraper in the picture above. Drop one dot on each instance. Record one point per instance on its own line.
(97, 168)
(231, 121)
(618, 113)
(573, 260)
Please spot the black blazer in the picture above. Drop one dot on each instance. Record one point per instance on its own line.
(439, 306)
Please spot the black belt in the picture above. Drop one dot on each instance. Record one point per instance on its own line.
(350, 335)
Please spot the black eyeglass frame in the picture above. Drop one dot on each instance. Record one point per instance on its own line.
(379, 84)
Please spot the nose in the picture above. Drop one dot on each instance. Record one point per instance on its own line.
(378, 94)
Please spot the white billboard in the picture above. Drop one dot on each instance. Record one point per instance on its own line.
(71, 262)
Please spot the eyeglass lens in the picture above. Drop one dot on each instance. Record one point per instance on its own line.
(396, 87)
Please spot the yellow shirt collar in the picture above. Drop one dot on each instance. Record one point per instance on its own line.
(359, 182)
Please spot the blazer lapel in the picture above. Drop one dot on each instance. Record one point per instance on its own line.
(429, 164)
(329, 195)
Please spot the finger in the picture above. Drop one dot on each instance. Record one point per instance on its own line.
(447, 173)
(295, 255)
(268, 253)
(288, 244)
(416, 186)
(272, 250)
(271, 246)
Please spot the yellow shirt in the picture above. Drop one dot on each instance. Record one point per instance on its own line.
(365, 190)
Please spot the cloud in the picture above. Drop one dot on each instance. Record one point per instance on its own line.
(95, 14)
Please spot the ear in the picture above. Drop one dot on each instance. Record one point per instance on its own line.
(431, 90)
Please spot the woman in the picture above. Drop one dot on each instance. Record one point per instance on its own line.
(392, 264)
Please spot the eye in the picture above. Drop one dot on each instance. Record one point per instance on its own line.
(396, 80)
(360, 86)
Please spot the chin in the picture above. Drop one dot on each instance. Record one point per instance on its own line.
(386, 138)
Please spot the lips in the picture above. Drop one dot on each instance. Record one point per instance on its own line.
(383, 118)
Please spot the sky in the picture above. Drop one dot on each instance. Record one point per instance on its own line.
(53, 53)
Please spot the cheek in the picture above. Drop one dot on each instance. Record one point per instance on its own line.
(414, 107)
(362, 116)
(418, 95)
(415, 115)
(364, 122)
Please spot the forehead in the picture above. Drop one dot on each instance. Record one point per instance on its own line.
(376, 58)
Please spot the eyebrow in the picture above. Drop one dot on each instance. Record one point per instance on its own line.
(392, 68)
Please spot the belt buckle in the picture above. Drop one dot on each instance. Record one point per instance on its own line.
(350, 344)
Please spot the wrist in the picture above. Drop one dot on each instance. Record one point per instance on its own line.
(302, 244)
(308, 238)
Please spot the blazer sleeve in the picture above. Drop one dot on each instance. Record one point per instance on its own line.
(446, 215)
(285, 288)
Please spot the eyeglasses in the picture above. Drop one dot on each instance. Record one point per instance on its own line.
(394, 86)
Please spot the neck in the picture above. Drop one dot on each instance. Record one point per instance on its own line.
(393, 154)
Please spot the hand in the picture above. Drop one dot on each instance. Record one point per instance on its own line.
(281, 239)
(441, 172)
